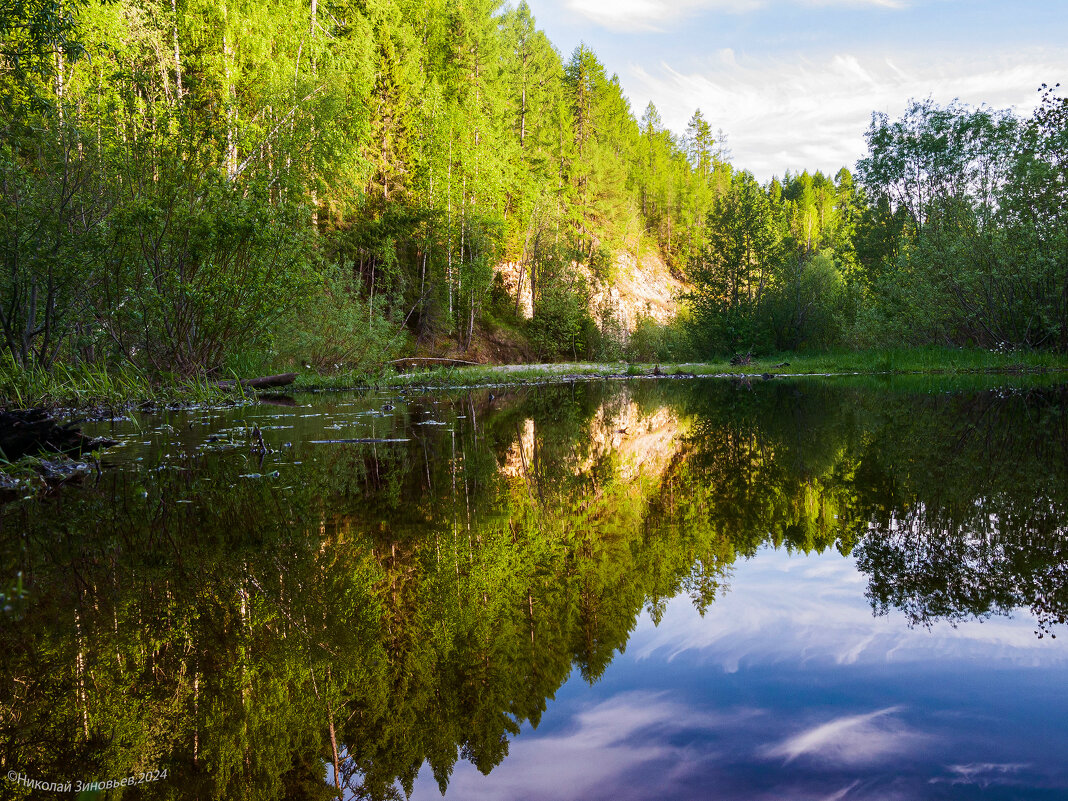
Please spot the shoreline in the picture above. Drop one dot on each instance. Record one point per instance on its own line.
(535, 374)
(94, 394)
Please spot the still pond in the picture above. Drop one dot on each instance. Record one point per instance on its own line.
(810, 588)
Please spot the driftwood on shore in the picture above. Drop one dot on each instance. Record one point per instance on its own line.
(264, 382)
(412, 361)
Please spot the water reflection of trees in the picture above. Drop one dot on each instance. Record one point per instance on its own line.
(954, 503)
(398, 605)
(415, 603)
(973, 518)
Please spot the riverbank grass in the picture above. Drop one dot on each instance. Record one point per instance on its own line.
(929, 361)
(99, 387)
(116, 388)
(915, 360)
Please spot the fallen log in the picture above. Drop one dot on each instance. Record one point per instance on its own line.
(264, 382)
(411, 360)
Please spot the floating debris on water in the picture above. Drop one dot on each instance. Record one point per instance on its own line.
(353, 441)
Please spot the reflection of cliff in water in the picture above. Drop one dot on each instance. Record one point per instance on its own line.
(641, 442)
(384, 606)
(402, 602)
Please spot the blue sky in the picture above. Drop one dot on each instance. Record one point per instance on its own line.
(793, 83)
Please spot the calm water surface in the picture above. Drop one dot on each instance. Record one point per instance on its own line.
(797, 589)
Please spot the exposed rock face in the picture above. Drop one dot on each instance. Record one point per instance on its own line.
(639, 288)
(510, 272)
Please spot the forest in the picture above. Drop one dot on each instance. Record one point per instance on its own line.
(196, 188)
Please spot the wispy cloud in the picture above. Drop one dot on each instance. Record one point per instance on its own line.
(803, 112)
(654, 744)
(850, 740)
(652, 15)
(661, 15)
(812, 611)
(838, 795)
(983, 774)
(603, 743)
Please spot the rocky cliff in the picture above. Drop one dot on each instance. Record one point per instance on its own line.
(637, 287)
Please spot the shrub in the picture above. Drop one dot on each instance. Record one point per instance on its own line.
(562, 326)
(652, 341)
(336, 328)
(196, 273)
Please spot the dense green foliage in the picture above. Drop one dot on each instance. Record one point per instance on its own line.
(952, 235)
(183, 181)
(183, 184)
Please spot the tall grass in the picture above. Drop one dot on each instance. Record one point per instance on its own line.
(117, 387)
(92, 386)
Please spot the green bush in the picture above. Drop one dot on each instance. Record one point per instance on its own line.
(337, 328)
(562, 326)
(652, 341)
(807, 311)
(612, 334)
(223, 266)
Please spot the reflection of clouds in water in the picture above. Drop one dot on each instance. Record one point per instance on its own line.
(983, 774)
(742, 741)
(851, 740)
(602, 745)
(839, 569)
(641, 745)
(783, 608)
(840, 794)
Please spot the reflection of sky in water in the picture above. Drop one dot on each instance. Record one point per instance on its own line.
(788, 688)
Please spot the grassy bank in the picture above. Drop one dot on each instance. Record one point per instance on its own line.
(100, 388)
(92, 388)
(914, 360)
(927, 361)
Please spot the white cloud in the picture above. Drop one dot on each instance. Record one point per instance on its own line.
(812, 610)
(983, 774)
(840, 794)
(651, 15)
(851, 740)
(801, 112)
(603, 742)
(646, 744)
(658, 15)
